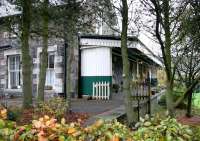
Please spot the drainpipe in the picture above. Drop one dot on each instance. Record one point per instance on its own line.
(65, 69)
(79, 68)
(149, 93)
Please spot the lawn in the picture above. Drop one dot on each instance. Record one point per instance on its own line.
(196, 99)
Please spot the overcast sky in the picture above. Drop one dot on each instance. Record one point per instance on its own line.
(135, 10)
(8, 9)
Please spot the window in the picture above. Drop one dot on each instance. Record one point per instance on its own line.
(14, 75)
(50, 74)
(51, 61)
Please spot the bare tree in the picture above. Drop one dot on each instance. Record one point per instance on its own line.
(126, 64)
(189, 67)
(109, 11)
(165, 16)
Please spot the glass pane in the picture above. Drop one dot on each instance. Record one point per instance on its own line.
(17, 65)
(50, 76)
(47, 78)
(51, 61)
(12, 62)
(17, 78)
(12, 79)
(14, 74)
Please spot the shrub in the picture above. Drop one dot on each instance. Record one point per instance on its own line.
(48, 129)
(14, 113)
(196, 133)
(56, 107)
(6, 127)
(155, 129)
(162, 100)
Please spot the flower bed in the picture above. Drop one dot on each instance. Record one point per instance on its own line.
(49, 129)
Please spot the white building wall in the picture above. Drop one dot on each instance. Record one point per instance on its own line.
(96, 62)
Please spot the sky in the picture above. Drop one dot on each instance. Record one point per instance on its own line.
(8, 9)
(134, 10)
(136, 14)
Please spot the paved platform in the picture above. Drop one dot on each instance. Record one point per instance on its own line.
(94, 107)
(104, 109)
(107, 116)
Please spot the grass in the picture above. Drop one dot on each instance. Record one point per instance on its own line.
(196, 99)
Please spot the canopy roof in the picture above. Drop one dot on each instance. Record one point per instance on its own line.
(93, 41)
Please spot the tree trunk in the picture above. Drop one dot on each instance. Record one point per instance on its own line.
(126, 64)
(26, 58)
(44, 54)
(72, 44)
(70, 38)
(188, 91)
(168, 60)
(169, 99)
(189, 106)
(69, 56)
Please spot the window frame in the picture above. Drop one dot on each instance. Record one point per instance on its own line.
(15, 71)
(50, 70)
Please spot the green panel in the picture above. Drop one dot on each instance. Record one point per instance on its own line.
(87, 82)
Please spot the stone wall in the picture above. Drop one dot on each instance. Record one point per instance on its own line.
(56, 45)
(3, 72)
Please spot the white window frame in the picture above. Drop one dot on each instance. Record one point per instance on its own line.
(51, 49)
(51, 70)
(9, 71)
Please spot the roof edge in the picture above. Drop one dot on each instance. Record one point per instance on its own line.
(108, 37)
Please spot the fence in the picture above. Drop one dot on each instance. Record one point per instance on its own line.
(101, 90)
(140, 91)
(141, 94)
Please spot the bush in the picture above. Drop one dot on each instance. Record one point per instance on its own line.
(14, 113)
(196, 133)
(56, 107)
(162, 100)
(49, 129)
(155, 129)
(6, 127)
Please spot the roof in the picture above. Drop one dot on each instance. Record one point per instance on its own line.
(134, 54)
(91, 41)
(108, 37)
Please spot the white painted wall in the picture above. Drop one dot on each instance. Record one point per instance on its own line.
(96, 62)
